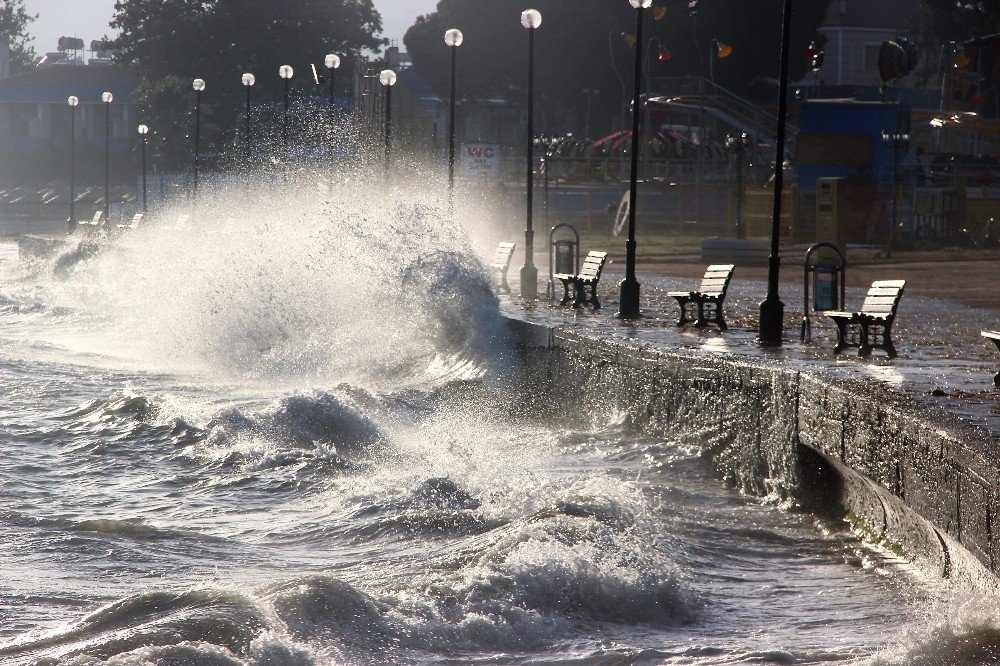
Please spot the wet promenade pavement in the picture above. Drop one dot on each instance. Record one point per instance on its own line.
(943, 360)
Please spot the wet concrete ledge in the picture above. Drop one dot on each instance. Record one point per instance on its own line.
(914, 479)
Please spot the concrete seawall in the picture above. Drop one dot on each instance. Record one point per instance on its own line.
(919, 482)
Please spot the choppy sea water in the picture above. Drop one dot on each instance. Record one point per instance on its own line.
(222, 446)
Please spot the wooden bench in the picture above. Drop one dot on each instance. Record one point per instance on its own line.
(94, 224)
(995, 337)
(134, 224)
(710, 296)
(501, 263)
(871, 327)
(589, 276)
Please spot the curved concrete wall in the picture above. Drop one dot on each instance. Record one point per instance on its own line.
(917, 481)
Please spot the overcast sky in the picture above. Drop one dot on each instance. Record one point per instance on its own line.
(89, 19)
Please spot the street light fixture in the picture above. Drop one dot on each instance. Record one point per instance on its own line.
(107, 98)
(199, 87)
(143, 131)
(73, 101)
(531, 19)
(248, 81)
(628, 307)
(772, 310)
(286, 73)
(738, 145)
(453, 38)
(387, 78)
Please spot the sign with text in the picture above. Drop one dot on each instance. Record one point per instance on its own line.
(480, 160)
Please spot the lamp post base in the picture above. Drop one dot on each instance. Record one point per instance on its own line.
(529, 282)
(772, 313)
(628, 301)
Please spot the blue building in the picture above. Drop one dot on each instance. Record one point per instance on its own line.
(35, 120)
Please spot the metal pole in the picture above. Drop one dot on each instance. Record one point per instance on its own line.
(529, 273)
(107, 161)
(740, 148)
(772, 310)
(629, 299)
(247, 139)
(388, 128)
(72, 169)
(143, 173)
(197, 136)
(451, 126)
(284, 126)
(895, 191)
(545, 168)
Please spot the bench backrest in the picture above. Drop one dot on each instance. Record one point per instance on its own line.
(716, 280)
(883, 298)
(503, 255)
(593, 265)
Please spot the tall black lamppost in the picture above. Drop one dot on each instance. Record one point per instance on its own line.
(107, 98)
(387, 78)
(531, 19)
(772, 310)
(248, 81)
(199, 86)
(286, 73)
(73, 101)
(453, 38)
(332, 62)
(143, 131)
(899, 141)
(628, 307)
(738, 145)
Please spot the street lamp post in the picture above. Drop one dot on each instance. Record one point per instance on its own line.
(898, 140)
(628, 307)
(387, 78)
(332, 62)
(248, 81)
(531, 19)
(143, 131)
(199, 86)
(73, 101)
(286, 73)
(107, 98)
(772, 310)
(738, 145)
(453, 38)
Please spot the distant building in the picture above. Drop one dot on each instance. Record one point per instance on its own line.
(35, 118)
(854, 30)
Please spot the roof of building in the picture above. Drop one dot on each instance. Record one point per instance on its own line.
(885, 14)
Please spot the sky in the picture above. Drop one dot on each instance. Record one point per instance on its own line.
(89, 19)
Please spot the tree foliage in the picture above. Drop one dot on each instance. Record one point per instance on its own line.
(219, 40)
(943, 21)
(14, 21)
(581, 45)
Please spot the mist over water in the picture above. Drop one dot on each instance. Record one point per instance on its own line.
(292, 433)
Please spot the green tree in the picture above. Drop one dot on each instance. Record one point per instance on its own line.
(581, 45)
(219, 40)
(943, 21)
(14, 21)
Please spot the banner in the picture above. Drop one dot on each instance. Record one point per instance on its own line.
(480, 160)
